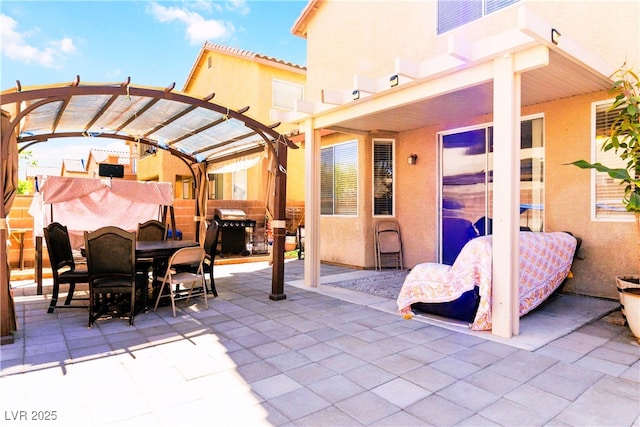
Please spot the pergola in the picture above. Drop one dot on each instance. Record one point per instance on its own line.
(196, 130)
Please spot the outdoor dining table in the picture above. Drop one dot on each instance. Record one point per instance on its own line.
(160, 251)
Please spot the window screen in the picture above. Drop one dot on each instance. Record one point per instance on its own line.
(339, 179)
(608, 193)
(455, 13)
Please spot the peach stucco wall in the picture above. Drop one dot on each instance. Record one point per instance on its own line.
(609, 248)
(349, 240)
(239, 82)
(344, 239)
(364, 38)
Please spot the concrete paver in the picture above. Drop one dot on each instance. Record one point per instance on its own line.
(311, 360)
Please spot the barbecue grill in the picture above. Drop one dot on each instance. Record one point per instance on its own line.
(235, 231)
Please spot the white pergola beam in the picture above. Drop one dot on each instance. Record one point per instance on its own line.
(540, 30)
(303, 106)
(407, 94)
(460, 48)
(283, 116)
(407, 68)
(439, 65)
(335, 97)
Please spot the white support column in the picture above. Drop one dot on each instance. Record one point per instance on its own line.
(311, 204)
(506, 197)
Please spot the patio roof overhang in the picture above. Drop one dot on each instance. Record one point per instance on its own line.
(529, 64)
(460, 82)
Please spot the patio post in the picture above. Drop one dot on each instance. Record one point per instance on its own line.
(279, 223)
(311, 205)
(506, 197)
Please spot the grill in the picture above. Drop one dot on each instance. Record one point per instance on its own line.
(235, 231)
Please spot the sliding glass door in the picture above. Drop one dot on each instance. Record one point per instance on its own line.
(466, 184)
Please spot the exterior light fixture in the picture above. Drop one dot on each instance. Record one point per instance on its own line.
(393, 80)
(356, 94)
(555, 36)
(412, 159)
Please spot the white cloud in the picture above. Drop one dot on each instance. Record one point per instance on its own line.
(198, 29)
(14, 45)
(238, 5)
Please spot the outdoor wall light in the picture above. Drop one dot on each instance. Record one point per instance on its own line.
(393, 80)
(356, 94)
(412, 159)
(555, 36)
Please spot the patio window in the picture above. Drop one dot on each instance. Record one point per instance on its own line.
(455, 13)
(286, 93)
(607, 193)
(339, 179)
(215, 186)
(383, 177)
(188, 190)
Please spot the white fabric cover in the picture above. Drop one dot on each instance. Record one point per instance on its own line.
(84, 204)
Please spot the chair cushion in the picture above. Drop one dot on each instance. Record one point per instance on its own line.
(114, 285)
(73, 275)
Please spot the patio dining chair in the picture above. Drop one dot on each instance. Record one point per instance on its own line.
(63, 265)
(388, 242)
(180, 282)
(210, 249)
(150, 231)
(111, 262)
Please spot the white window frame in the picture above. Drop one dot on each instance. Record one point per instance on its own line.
(596, 144)
(357, 156)
(277, 93)
(487, 7)
(392, 143)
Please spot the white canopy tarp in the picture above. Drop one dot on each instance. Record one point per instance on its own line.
(237, 164)
(84, 204)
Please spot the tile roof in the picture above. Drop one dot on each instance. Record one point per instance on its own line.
(74, 165)
(249, 54)
(101, 156)
(43, 170)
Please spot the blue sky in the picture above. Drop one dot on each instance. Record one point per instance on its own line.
(153, 42)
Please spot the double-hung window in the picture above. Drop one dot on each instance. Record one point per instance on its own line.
(383, 177)
(607, 193)
(455, 13)
(339, 179)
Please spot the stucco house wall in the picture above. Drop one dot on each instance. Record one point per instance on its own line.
(241, 78)
(353, 38)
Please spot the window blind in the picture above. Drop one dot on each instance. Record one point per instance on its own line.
(608, 193)
(455, 13)
(339, 179)
(383, 177)
(326, 181)
(346, 179)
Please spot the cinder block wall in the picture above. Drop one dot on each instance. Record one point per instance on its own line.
(184, 211)
(19, 218)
